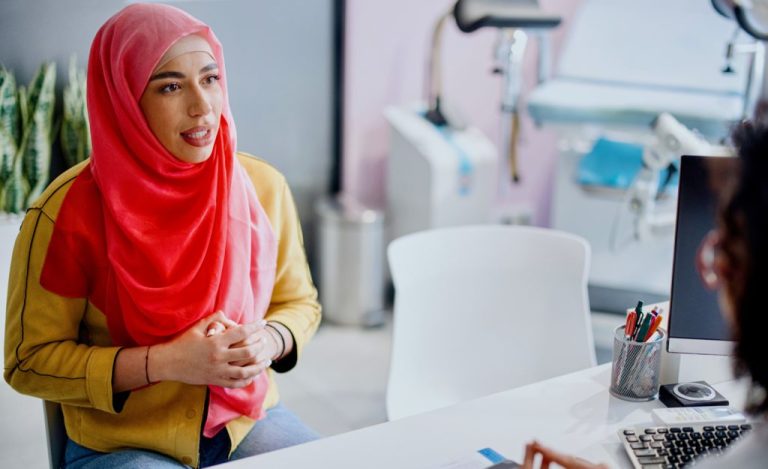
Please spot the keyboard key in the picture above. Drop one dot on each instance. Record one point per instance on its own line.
(633, 439)
(675, 430)
(645, 452)
(659, 437)
(637, 445)
(746, 426)
(733, 427)
(665, 430)
(629, 432)
(720, 427)
(651, 460)
(651, 431)
(688, 429)
(646, 438)
(709, 429)
(721, 443)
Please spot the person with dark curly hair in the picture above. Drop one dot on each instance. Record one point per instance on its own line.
(734, 259)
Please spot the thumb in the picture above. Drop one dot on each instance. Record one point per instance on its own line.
(217, 316)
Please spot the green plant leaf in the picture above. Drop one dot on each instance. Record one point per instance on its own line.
(75, 130)
(35, 149)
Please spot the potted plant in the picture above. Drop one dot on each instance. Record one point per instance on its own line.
(75, 131)
(29, 141)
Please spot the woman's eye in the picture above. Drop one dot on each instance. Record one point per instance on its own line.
(210, 79)
(170, 88)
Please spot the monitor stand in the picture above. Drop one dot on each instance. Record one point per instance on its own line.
(684, 367)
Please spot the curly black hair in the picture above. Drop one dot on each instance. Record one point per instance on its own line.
(744, 227)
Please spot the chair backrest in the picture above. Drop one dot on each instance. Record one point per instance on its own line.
(56, 434)
(481, 309)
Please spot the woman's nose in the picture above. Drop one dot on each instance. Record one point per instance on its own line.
(200, 104)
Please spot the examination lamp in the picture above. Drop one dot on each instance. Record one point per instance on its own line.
(751, 15)
(510, 17)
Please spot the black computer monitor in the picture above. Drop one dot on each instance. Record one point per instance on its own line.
(695, 322)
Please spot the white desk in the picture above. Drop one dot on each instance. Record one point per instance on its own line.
(574, 413)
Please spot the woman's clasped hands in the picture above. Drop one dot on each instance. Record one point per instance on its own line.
(214, 351)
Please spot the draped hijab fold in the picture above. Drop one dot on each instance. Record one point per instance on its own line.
(154, 242)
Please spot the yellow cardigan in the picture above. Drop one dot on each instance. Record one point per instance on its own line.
(59, 348)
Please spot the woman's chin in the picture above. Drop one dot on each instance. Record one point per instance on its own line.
(196, 156)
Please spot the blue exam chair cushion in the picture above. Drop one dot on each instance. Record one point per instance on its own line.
(614, 165)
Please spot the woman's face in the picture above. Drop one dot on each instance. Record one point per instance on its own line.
(183, 100)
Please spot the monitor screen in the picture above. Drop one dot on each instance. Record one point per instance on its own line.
(695, 322)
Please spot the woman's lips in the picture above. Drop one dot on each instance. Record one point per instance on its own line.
(198, 136)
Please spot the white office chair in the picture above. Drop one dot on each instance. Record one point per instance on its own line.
(481, 309)
(56, 434)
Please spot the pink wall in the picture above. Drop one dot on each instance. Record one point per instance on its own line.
(386, 57)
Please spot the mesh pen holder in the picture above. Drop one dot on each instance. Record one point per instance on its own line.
(636, 366)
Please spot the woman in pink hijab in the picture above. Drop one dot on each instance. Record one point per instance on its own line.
(156, 288)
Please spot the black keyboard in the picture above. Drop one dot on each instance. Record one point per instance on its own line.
(674, 447)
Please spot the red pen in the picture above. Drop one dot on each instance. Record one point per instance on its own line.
(654, 326)
(629, 327)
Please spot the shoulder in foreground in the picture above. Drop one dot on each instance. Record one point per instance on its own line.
(260, 172)
(53, 195)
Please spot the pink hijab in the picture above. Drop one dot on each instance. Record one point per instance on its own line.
(154, 242)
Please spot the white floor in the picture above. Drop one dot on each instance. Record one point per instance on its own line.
(338, 386)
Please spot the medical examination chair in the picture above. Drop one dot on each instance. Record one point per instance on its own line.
(622, 64)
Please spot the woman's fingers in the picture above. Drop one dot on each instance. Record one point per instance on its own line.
(530, 453)
(248, 352)
(240, 334)
(240, 376)
(218, 322)
(218, 316)
(549, 456)
(216, 327)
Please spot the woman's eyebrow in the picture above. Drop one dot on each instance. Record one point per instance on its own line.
(161, 75)
(209, 67)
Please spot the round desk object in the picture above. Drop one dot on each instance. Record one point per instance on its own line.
(694, 391)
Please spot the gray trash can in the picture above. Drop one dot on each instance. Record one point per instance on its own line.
(351, 256)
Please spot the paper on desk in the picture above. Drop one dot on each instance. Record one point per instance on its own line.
(481, 459)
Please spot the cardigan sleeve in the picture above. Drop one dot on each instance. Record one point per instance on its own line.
(294, 298)
(44, 354)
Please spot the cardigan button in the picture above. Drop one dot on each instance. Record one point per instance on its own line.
(191, 414)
